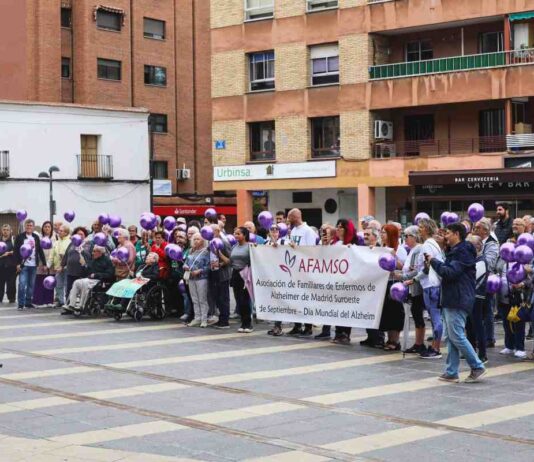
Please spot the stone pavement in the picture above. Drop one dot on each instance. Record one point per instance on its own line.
(100, 390)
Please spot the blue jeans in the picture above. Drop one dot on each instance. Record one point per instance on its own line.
(61, 282)
(489, 319)
(26, 284)
(454, 321)
(431, 297)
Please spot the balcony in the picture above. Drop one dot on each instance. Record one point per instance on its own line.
(452, 64)
(438, 148)
(4, 164)
(95, 167)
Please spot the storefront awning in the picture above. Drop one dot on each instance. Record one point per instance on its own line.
(521, 16)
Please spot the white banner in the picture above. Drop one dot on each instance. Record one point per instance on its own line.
(335, 285)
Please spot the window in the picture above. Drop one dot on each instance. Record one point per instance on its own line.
(89, 156)
(325, 137)
(65, 68)
(155, 75)
(158, 123)
(261, 71)
(324, 64)
(419, 51)
(519, 112)
(154, 28)
(109, 69)
(160, 170)
(108, 20)
(66, 17)
(258, 9)
(491, 42)
(317, 5)
(262, 141)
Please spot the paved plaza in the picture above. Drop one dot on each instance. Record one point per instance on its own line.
(100, 390)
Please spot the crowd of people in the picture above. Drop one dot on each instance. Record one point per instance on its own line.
(445, 269)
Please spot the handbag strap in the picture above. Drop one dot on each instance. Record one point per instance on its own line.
(196, 259)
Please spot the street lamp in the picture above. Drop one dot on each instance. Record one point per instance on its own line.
(48, 175)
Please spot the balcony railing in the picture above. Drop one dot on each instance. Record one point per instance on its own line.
(95, 167)
(4, 164)
(434, 148)
(520, 141)
(452, 64)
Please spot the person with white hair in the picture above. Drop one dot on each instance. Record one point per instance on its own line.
(196, 269)
(98, 268)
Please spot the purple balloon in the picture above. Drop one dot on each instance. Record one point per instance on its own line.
(103, 219)
(21, 214)
(231, 239)
(46, 243)
(114, 253)
(282, 228)
(493, 284)
(182, 227)
(516, 274)
(266, 219)
(476, 212)
(523, 254)
(174, 252)
(116, 233)
(252, 238)
(387, 262)
(115, 221)
(453, 218)
(407, 248)
(207, 233)
(216, 244)
(49, 282)
(210, 214)
(181, 287)
(526, 239)
(100, 239)
(445, 218)
(420, 216)
(169, 223)
(359, 238)
(398, 292)
(147, 222)
(123, 254)
(69, 216)
(76, 240)
(3, 247)
(507, 252)
(25, 250)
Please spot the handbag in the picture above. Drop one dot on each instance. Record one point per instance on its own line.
(520, 312)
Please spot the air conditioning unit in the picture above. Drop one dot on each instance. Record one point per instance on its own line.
(183, 174)
(383, 130)
(385, 150)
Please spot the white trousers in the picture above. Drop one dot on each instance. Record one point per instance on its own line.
(199, 296)
(81, 288)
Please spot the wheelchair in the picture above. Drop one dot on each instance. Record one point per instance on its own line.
(150, 299)
(96, 301)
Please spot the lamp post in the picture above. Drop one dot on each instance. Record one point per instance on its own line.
(49, 176)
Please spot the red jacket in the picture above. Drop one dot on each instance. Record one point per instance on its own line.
(163, 261)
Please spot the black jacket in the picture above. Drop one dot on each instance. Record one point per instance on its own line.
(458, 277)
(102, 268)
(40, 258)
(150, 272)
(503, 230)
(9, 261)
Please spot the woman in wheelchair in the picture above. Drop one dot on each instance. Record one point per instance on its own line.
(98, 269)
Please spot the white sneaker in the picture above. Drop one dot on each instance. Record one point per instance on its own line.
(194, 323)
(248, 330)
(241, 330)
(506, 351)
(520, 354)
(234, 316)
(184, 317)
(213, 320)
(204, 324)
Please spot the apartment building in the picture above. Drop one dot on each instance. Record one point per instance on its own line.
(150, 54)
(381, 107)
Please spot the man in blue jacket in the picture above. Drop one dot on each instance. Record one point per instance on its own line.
(458, 277)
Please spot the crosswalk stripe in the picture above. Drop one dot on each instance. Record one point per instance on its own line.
(170, 360)
(117, 330)
(63, 323)
(25, 316)
(115, 433)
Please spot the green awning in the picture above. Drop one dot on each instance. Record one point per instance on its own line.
(521, 16)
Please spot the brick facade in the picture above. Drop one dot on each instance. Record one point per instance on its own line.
(226, 13)
(355, 57)
(292, 139)
(288, 8)
(291, 67)
(234, 132)
(355, 131)
(228, 74)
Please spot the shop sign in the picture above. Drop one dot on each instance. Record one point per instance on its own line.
(161, 187)
(192, 210)
(326, 169)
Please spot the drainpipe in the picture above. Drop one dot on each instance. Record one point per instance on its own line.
(463, 45)
(132, 74)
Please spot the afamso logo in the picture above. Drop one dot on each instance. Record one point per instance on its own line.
(290, 263)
